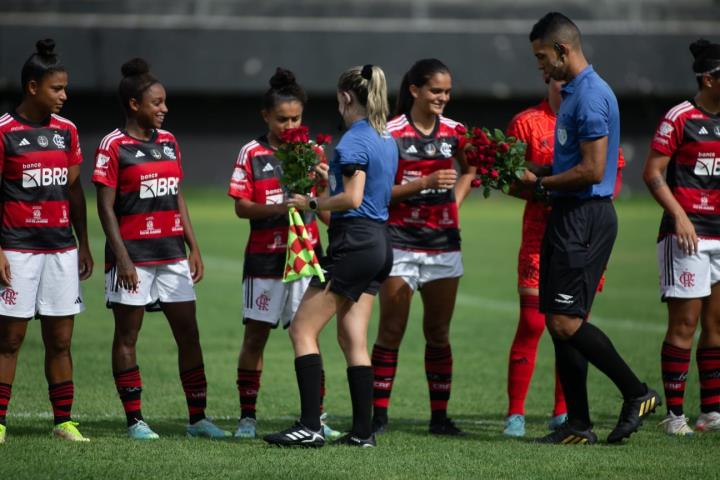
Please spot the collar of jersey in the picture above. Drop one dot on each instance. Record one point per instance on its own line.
(153, 137)
(570, 86)
(27, 122)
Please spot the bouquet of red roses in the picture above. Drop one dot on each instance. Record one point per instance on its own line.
(500, 160)
(298, 157)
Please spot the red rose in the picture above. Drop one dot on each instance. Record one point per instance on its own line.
(461, 130)
(494, 173)
(503, 148)
(323, 139)
(476, 182)
(483, 171)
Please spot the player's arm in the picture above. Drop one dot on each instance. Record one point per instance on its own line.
(78, 218)
(350, 198)
(245, 208)
(323, 170)
(439, 179)
(654, 177)
(127, 277)
(467, 175)
(197, 268)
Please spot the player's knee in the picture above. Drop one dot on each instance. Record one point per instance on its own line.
(437, 334)
(10, 344)
(255, 342)
(58, 344)
(682, 327)
(561, 327)
(391, 334)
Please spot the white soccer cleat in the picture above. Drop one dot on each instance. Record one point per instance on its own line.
(676, 425)
(708, 422)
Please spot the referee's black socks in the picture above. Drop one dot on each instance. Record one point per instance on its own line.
(599, 350)
(572, 369)
(360, 379)
(308, 370)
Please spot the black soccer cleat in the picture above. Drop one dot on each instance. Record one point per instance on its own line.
(351, 440)
(567, 435)
(379, 424)
(632, 414)
(446, 427)
(296, 436)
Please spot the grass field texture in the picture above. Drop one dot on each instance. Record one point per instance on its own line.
(483, 327)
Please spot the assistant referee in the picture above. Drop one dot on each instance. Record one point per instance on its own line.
(581, 231)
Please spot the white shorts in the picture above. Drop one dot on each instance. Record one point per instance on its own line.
(688, 276)
(46, 284)
(272, 301)
(419, 268)
(167, 283)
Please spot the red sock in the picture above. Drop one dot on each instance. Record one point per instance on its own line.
(560, 407)
(248, 384)
(438, 369)
(384, 363)
(129, 387)
(195, 387)
(675, 364)
(523, 353)
(708, 360)
(5, 392)
(61, 398)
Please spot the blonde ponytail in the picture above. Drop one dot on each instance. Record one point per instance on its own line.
(370, 88)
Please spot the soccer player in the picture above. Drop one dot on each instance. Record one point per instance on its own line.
(259, 197)
(41, 264)
(146, 223)
(536, 127)
(359, 258)
(580, 232)
(425, 234)
(686, 145)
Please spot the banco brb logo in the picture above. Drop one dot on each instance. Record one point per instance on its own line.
(159, 187)
(43, 177)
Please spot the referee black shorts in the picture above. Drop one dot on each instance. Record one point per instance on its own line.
(575, 251)
(359, 257)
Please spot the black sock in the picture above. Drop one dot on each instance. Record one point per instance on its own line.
(572, 370)
(308, 370)
(361, 393)
(599, 350)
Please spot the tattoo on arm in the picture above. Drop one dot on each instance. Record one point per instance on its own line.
(656, 182)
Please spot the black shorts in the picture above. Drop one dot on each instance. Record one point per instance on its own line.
(359, 257)
(575, 251)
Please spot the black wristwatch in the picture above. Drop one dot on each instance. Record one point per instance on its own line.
(313, 204)
(539, 188)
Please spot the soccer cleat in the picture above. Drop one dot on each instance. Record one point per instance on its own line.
(379, 424)
(330, 434)
(708, 422)
(296, 436)
(515, 426)
(567, 435)
(141, 431)
(632, 414)
(246, 428)
(351, 440)
(676, 425)
(3, 431)
(446, 427)
(557, 421)
(68, 431)
(206, 429)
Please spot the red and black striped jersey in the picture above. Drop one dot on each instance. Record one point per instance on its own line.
(146, 176)
(427, 221)
(256, 178)
(691, 138)
(34, 162)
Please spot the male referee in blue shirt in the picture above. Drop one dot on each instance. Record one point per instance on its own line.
(580, 232)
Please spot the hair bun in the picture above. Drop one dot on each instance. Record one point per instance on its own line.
(136, 66)
(698, 47)
(282, 78)
(45, 47)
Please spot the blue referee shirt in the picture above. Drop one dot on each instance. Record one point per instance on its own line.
(589, 110)
(375, 154)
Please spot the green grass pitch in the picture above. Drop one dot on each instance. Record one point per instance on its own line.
(483, 327)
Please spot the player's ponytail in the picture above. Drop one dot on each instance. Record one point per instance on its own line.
(368, 85)
(707, 59)
(419, 74)
(136, 79)
(283, 88)
(43, 62)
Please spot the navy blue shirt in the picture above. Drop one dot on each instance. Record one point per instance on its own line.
(589, 110)
(375, 154)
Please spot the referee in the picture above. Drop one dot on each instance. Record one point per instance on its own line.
(580, 232)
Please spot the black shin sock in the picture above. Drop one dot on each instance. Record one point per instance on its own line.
(360, 380)
(572, 369)
(308, 370)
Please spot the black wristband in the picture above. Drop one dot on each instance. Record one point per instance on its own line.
(539, 188)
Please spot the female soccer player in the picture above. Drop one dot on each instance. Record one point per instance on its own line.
(43, 202)
(255, 186)
(359, 258)
(686, 146)
(146, 222)
(425, 236)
